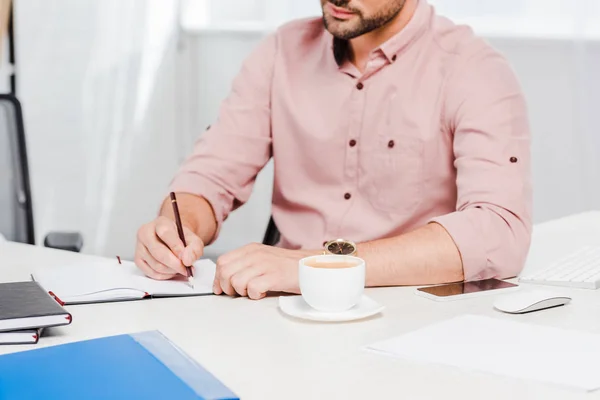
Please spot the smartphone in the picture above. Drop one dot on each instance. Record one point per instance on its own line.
(454, 291)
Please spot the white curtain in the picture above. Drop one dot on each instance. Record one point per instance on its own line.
(98, 84)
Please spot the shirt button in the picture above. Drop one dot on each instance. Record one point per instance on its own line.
(391, 144)
(514, 159)
(394, 57)
(352, 143)
(347, 196)
(360, 86)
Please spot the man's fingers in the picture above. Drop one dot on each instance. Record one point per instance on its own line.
(141, 254)
(148, 237)
(259, 286)
(155, 264)
(229, 264)
(189, 257)
(217, 287)
(162, 251)
(225, 283)
(194, 250)
(163, 255)
(150, 273)
(226, 270)
(240, 280)
(166, 230)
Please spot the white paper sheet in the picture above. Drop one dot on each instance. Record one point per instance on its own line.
(562, 357)
(109, 280)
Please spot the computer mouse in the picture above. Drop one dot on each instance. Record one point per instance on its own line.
(525, 301)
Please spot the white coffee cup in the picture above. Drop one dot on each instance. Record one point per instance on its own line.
(328, 286)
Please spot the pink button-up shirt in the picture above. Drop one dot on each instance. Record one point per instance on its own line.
(435, 129)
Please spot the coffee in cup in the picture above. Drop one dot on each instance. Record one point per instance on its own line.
(332, 265)
(332, 283)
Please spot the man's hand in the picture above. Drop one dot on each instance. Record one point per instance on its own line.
(159, 252)
(256, 269)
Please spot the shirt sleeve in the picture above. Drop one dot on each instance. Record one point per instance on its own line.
(487, 114)
(227, 158)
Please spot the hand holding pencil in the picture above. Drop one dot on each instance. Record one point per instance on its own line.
(188, 269)
(165, 247)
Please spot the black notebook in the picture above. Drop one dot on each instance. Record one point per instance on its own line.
(25, 305)
(27, 336)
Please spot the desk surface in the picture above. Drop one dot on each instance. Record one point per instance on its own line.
(262, 354)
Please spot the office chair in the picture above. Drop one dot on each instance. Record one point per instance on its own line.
(16, 209)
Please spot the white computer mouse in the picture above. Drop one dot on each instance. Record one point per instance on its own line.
(528, 300)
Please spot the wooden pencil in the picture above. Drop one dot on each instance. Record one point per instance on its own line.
(190, 273)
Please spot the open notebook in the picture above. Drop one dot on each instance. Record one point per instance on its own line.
(104, 281)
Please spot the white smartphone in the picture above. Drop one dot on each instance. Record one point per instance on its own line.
(461, 290)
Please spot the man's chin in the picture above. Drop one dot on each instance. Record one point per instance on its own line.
(338, 28)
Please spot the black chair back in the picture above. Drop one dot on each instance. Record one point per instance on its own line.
(16, 210)
(272, 235)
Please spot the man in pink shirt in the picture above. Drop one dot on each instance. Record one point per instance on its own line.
(390, 127)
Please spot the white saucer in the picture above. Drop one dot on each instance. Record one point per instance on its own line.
(295, 306)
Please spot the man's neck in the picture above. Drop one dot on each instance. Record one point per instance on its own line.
(362, 46)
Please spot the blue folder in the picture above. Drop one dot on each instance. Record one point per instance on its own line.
(139, 366)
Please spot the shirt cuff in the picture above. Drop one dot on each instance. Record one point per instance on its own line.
(462, 227)
(211, 192)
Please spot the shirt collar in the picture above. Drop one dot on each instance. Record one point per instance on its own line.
(412, 31)
(394, 45)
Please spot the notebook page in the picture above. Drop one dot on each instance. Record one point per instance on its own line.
(203, 281)
(107, 280)
(78, 280)
(562, 357)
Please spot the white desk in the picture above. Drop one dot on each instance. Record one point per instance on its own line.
(261, 354)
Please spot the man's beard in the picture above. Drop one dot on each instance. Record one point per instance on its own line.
(364, 25)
